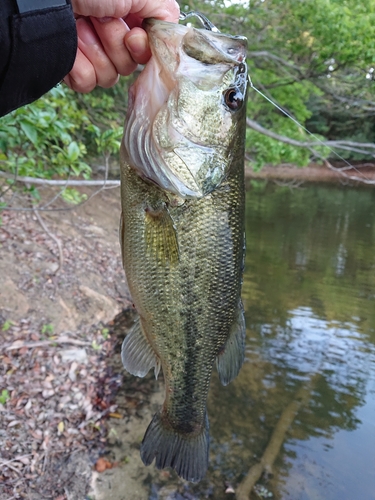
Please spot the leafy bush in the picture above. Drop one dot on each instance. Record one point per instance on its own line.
(58, 136)
(43, 138)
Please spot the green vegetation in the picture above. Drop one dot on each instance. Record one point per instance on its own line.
(47, 329)
(59, 135)
(4, 396)
(105, 333)
(43, 139)
(315, 59)
(7, 324)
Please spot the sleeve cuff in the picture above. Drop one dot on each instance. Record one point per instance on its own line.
(44, 47)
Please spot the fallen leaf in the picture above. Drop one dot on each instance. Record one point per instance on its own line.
(14, 423)
(38, 435)
(115, 415)
(47, 393)
(102, 464)
(23, 459)
(60, 428)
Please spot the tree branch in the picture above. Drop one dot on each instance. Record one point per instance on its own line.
(277, 439)
(268, 55)
(341, 171)
(348, 145)
(66, 183)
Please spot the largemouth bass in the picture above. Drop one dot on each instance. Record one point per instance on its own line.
(182, 234)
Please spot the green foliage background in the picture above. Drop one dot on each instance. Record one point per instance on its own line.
(314, 58)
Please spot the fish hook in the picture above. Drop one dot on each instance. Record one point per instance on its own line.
(206, 23)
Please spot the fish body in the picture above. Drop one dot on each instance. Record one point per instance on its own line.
(182, 232)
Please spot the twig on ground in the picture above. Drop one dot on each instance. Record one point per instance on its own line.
(45, 459)
(53, 237)
(16, 459)
(67, 494)
(31, 345)
(13, 468)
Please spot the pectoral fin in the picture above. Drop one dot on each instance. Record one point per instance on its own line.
(230, 360)
(137, 355)
(160, 236)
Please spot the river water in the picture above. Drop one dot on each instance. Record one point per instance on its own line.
(309, 297)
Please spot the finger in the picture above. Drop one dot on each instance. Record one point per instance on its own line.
(168, 10)
(91, 47)
(161, 9)
(111, 32)
(102, 8)
(82, 77)
(136, 41)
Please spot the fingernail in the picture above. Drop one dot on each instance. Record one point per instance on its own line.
(86, 33)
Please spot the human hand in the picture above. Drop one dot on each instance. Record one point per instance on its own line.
(111, 41)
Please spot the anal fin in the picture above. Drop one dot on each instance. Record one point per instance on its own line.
(137, 355)
(229, 361)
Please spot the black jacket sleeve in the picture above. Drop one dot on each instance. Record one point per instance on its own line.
(38, 44)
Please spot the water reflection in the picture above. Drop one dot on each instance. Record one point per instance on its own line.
(309, 295)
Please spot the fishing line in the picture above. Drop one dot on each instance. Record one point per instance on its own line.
(307, 131)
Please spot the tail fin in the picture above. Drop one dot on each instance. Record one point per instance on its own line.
(187, 454)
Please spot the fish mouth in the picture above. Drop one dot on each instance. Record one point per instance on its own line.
(201, 44)
(149, 22)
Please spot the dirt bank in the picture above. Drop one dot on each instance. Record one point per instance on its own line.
(57, 387)
(71, 419)
(359, 174)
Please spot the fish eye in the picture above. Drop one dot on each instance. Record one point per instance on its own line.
(233, 99)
